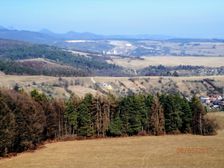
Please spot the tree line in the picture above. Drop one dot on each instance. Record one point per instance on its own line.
(32, 68)
(181, 70)
(26, 120)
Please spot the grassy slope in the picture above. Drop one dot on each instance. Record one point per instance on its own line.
(183, 84)
(168, 61)
(132, 152)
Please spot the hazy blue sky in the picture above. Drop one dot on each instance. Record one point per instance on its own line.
(183, 18)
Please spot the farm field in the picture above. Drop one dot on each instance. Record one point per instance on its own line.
(170, 151)
(135, 63)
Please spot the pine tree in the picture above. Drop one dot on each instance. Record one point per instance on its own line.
(143, 110)
(172, 111)
(96, 114)
(115, 127)
(59, 106)
(186, 116)
(115, 123)
(85, 127)
(7, 127)
(39, 97)
(51, 129)
(148, 104)
(130, 115)
(123, 109)
(71, 115)
(198, 112)
(157, 121)
(105, 115)
(137, 114)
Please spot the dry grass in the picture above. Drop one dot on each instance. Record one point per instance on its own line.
(219, 117)
(81, 91)
(168, 61)
(133, 152)
(43, 83)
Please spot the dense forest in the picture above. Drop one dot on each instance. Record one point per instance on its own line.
(28, 120)
(34, 68)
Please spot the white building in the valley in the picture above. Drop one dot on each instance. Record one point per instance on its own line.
(205, 100)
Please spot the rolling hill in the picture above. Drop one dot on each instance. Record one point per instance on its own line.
(24, 58)
(12, 52)
(120, 86)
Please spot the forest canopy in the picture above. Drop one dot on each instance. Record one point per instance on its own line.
(26, 120)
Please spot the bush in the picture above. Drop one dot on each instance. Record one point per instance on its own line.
(142, 133)
(210, 126)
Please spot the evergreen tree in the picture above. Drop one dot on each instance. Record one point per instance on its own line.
(39, 97)
(25, 121)
(105, 115)
(143, 110)
(172, 111)
(96, 114)
(59, 107)
(130, 115)
(148, 104)
(186, 116)
(71, 115)
(198, 112)
(51, 129)
(7, 127)
(115, 127)
(85, 127)
(124, 114)
(157, 121)
(137, 114)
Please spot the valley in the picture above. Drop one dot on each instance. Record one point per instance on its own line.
(149, 47)
(111, 84)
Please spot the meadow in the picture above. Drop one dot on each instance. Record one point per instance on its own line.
(169, 151)
(167, 61)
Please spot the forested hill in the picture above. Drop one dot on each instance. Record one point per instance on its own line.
(13, 51)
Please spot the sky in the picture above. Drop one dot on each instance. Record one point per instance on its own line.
(179, 18)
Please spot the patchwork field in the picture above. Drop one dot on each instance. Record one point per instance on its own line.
(170, 151)
(168, 61)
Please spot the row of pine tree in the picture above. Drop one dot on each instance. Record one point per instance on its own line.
(27, 120)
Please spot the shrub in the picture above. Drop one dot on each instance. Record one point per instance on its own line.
(210, 126)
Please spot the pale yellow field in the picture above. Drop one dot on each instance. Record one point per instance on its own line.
(168, 61)
(219, 117)
(48, 84)
(171, 151)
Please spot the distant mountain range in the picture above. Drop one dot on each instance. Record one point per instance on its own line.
(48, 37)
(71, 35)
(24, 35)
(122, 45)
